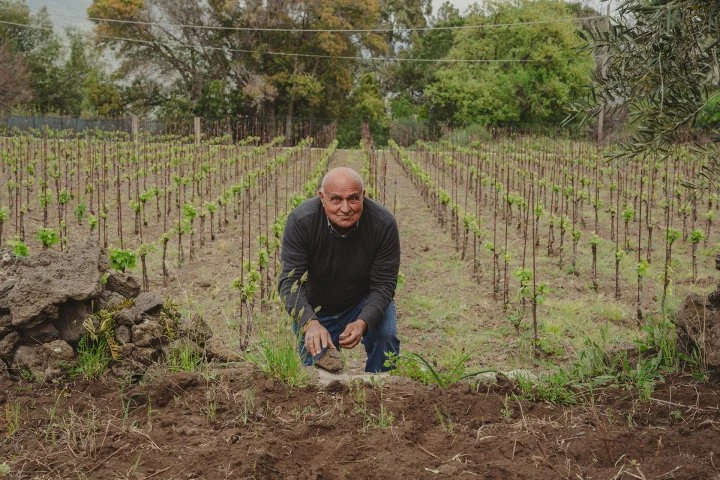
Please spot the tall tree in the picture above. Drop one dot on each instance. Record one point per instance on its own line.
(13, 78)
(264, 53)
(531, 71)
(365, 106)
(411, 77)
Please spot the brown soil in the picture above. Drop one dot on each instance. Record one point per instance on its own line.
(241, 425)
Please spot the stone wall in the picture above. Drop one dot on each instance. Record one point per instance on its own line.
(49, 301)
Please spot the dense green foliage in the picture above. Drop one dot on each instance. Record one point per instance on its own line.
(544, 70)
(330, 60)
(48, 72)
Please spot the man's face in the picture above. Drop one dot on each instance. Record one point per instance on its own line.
(342, 199)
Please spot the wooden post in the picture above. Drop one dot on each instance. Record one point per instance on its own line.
(198, 133)
(135, 127)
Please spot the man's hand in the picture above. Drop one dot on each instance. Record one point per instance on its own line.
(316, 338)
(353, 333)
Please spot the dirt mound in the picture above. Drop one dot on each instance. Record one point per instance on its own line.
(698, 322)
(238, 424)
(51, 301)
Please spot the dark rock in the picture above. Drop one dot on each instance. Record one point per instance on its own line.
(127, 350)
(148, 302)
(7, 257)
(5, 290)
(109, 300)
(217, 349)
(164, 390)
(43, 333)
(5, 325)
(44, 361)
(714, 299)
(127, 317)
(149, 333)
(330, 361)
(144, 356)
(196, 329)
(70, 321)
(60, 350)
(123, 284)
(122, 334)
(699, 326)
(8, 344)
(55, 278)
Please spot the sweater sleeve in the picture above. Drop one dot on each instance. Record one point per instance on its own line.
(383, 276)
(295, 256)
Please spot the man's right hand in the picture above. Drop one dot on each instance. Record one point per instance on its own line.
(316, 338)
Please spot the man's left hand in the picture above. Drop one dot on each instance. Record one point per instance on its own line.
(353, 333)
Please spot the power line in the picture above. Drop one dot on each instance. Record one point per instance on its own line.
(321, 30)
(331, 30)
(292, 54)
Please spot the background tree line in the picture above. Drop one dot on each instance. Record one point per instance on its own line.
(377, 61)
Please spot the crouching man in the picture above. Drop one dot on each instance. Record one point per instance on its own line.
(341, 256)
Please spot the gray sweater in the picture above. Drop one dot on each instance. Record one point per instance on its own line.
(340, 271)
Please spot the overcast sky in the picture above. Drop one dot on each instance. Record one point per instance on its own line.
(78, 8)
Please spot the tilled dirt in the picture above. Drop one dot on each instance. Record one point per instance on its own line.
(235, 423)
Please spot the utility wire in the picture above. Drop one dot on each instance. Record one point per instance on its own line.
(320, 30)
(332, 30)
(291, 54)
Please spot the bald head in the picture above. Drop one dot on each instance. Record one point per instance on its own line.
(341, 194)
(343, 176)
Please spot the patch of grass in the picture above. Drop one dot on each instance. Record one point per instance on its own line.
(383, 417)
(278, 357)
(185, 357)
(553, 388)
(424, 302)
(248, 409)
(12, 418)
(93, 358)
(444, 420)
(603, 361)
(451, 370)
(611, 311)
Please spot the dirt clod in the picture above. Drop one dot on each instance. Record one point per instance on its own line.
(330, 361)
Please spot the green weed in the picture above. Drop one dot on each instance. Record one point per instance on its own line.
(507, 411)
(554, 388)
(383, 418)
(444, 421)
(211, 407)
(93, 358)
(185, 357)
(12, 418)
(279, 359)
(415, 366)
(248, 408)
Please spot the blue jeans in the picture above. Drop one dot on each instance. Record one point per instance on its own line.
(377, 341)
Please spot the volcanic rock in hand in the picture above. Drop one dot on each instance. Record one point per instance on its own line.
(330, 361)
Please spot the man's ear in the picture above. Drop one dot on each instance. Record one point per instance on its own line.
(363, 192)
(320, 194)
